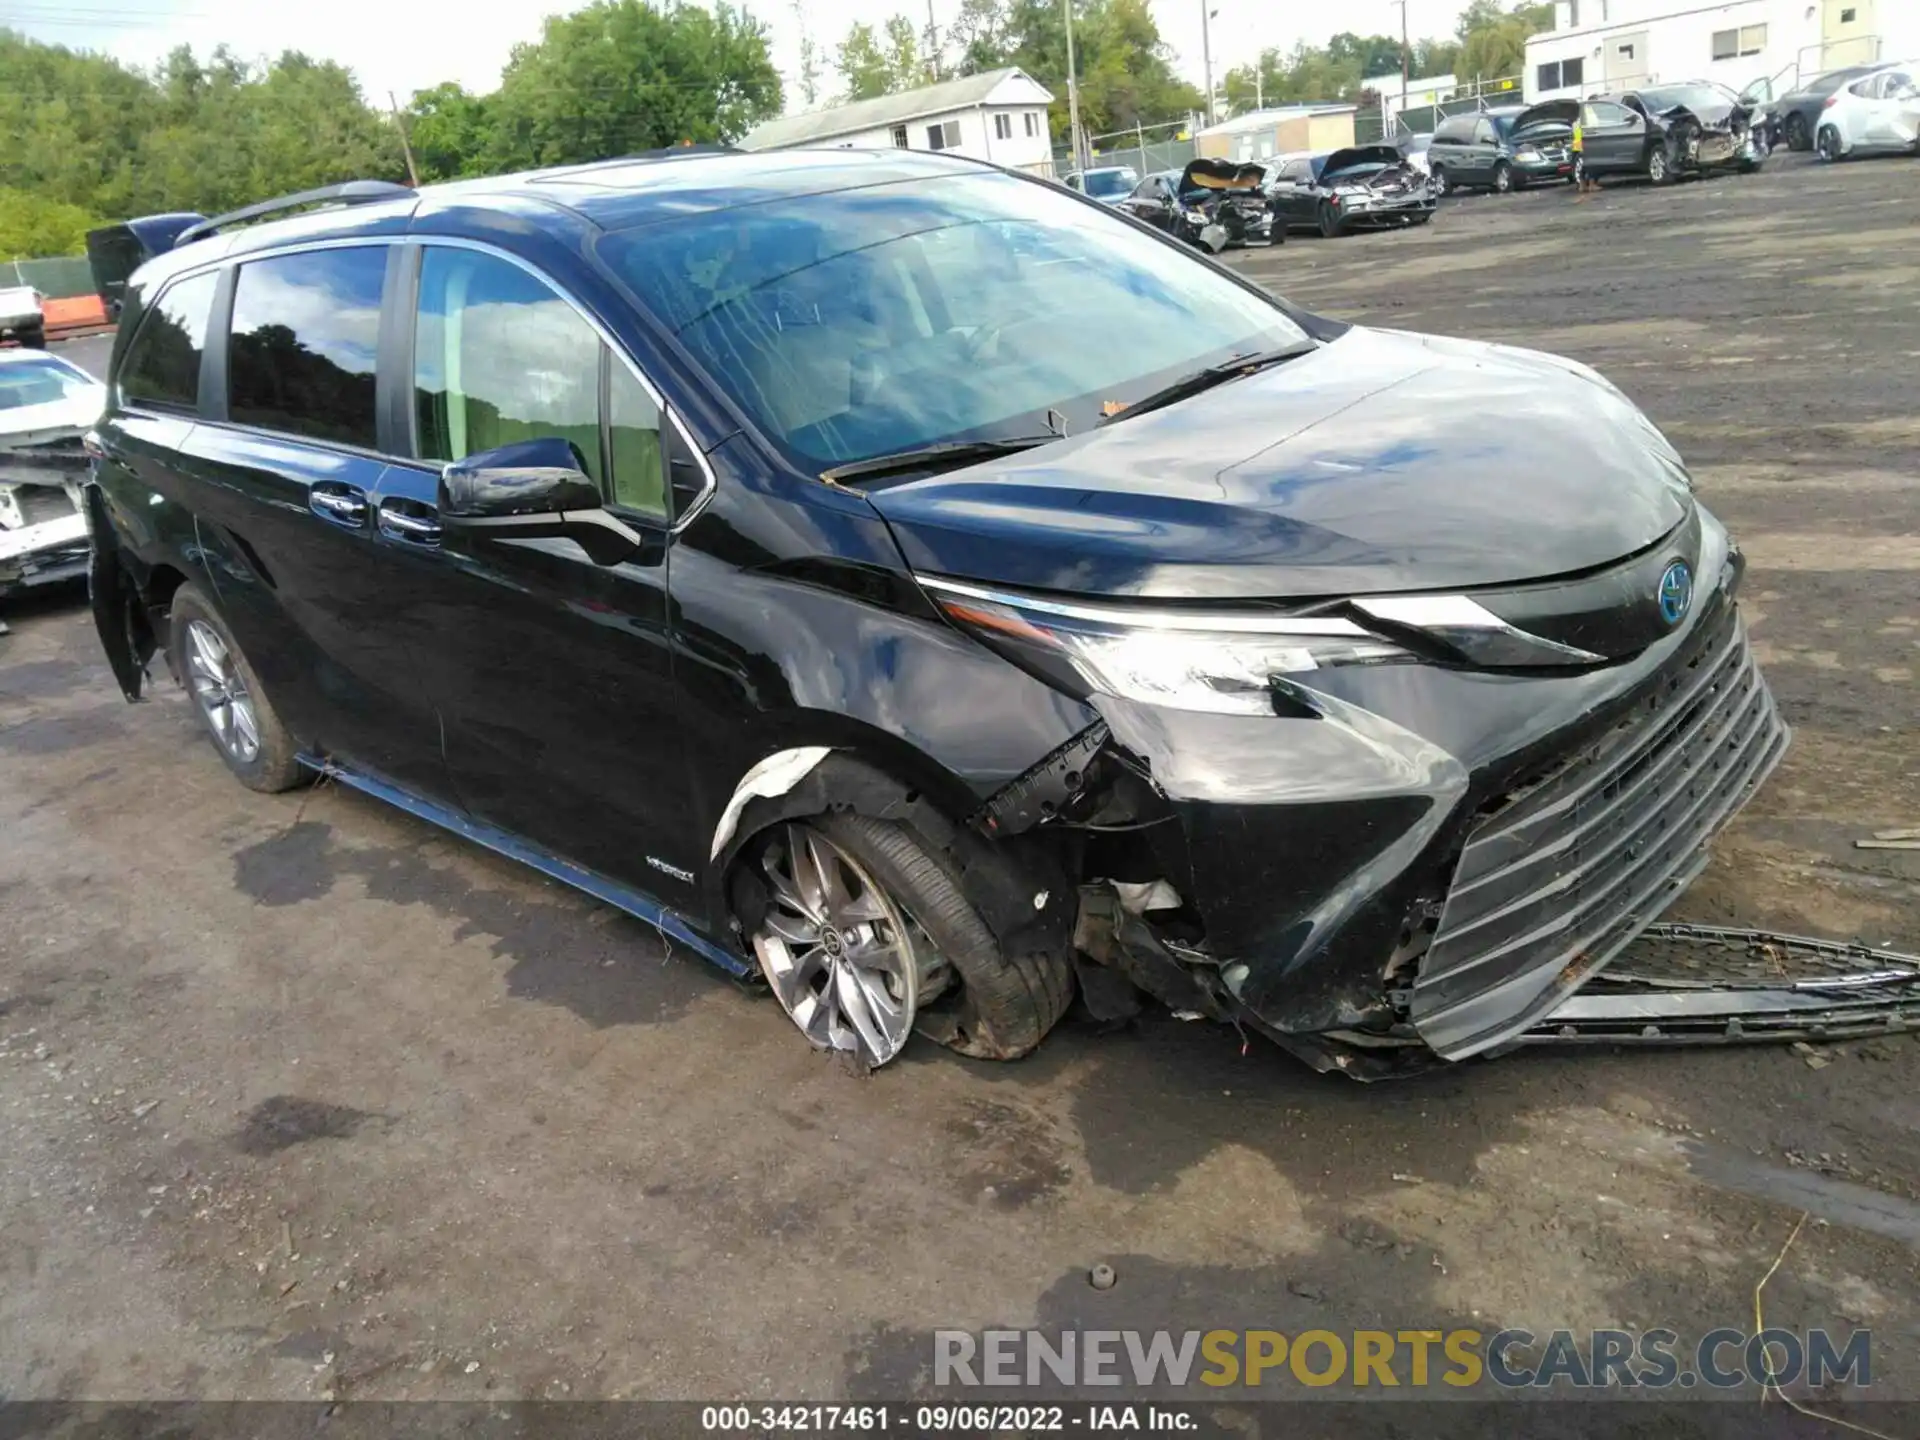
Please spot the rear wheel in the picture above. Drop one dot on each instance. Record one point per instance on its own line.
(1330, 222)
(234, 710)
(866, 932)
(1828, 144)
(1797, 137)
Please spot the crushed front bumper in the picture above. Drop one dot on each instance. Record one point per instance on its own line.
(43, 536)
(1428, 861)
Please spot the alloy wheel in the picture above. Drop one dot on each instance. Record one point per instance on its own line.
(1439, 180)
(222, 692)
(1657, 166)
(1829, 146)
(1502, 179)
(839, 954)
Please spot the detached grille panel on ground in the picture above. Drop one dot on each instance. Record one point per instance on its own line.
(1551, 886)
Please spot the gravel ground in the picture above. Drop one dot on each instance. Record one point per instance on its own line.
(299, 1097)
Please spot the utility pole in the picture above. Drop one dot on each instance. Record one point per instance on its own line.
(1259, 80)
(406, 146)
(1406, 60)
(933, 45)
(1073, 93)
(1206, 55)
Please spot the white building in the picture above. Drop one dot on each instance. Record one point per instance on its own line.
(998, 115)
(1422, 91)
(1612, 45)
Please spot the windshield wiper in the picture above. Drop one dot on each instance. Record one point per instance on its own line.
(1211, 376)
(933, 457)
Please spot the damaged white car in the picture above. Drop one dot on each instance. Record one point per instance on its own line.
(46, 406)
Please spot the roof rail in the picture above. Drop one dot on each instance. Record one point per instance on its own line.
(353, 192)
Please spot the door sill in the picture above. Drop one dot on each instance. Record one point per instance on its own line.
(641, 906)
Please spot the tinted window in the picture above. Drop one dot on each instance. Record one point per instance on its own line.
(306, 330)
(882, 318)
(498, 357)
(1456, 129)
(1299, 171)
(163, 363)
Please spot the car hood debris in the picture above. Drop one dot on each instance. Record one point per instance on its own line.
(1382, 461)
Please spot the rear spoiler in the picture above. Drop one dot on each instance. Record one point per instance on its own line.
(114, 252)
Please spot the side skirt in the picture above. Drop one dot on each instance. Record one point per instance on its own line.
(591, 882)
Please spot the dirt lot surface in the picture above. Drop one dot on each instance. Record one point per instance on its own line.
(299, 1097)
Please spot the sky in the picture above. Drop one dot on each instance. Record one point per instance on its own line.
(407, 45)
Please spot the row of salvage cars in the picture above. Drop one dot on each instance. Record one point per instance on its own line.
(1213, 203)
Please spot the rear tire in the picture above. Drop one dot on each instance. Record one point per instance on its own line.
(227, 696)
(1797, 137)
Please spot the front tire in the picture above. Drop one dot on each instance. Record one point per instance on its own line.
(233, 708)
(1502, 178)
(1659, 171)
(1439, 178)
(921, 955)
(1331, 226)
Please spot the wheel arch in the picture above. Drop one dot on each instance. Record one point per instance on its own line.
(1017, 884)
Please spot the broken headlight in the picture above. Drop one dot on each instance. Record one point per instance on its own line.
(1225, 661)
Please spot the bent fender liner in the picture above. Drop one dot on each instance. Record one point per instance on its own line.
(669, 923)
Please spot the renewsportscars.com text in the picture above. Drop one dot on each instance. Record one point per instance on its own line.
(1510, 1359)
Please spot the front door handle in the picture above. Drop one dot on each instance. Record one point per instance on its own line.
(344, 505)
(414, 527)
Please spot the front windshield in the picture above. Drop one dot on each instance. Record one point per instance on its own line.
(1690, 97)
(40, 381)
(874, 320)
(1110, 182)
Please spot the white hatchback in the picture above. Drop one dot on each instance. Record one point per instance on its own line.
(1877, 112)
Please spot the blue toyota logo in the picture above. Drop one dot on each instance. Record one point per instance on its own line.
(1676, 592)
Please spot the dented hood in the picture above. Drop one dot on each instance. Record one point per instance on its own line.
(1361, 155)
(1547, 112)
(1220, 176)
(1382, 461)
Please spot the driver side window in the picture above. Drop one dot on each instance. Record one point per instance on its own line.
(499, 356)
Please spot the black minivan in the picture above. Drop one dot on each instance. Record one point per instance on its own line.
(1503, 148)
(923, 588)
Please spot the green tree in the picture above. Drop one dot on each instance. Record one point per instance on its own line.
(32, 226)
(882, 63)
(621, 76)
(449, 130)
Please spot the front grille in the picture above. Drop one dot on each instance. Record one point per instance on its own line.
(1555, 882)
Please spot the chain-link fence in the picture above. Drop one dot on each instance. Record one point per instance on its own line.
(1147, 149)
(57, 279)
(1424, 119)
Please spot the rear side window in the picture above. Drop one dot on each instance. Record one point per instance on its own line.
(500, 356)
(162, 367)
(306, 332)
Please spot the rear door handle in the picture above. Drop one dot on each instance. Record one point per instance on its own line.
(343, 505)
(413, 525)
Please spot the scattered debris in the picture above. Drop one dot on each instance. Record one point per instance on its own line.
(1306, 1291)
(1816, 1059)
(1101, 1277)
(144, 1109)
(471, 1366)
(1879, 844)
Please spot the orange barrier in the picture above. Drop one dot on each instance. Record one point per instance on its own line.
(78, 315)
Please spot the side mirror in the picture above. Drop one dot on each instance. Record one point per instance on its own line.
(533, 490)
